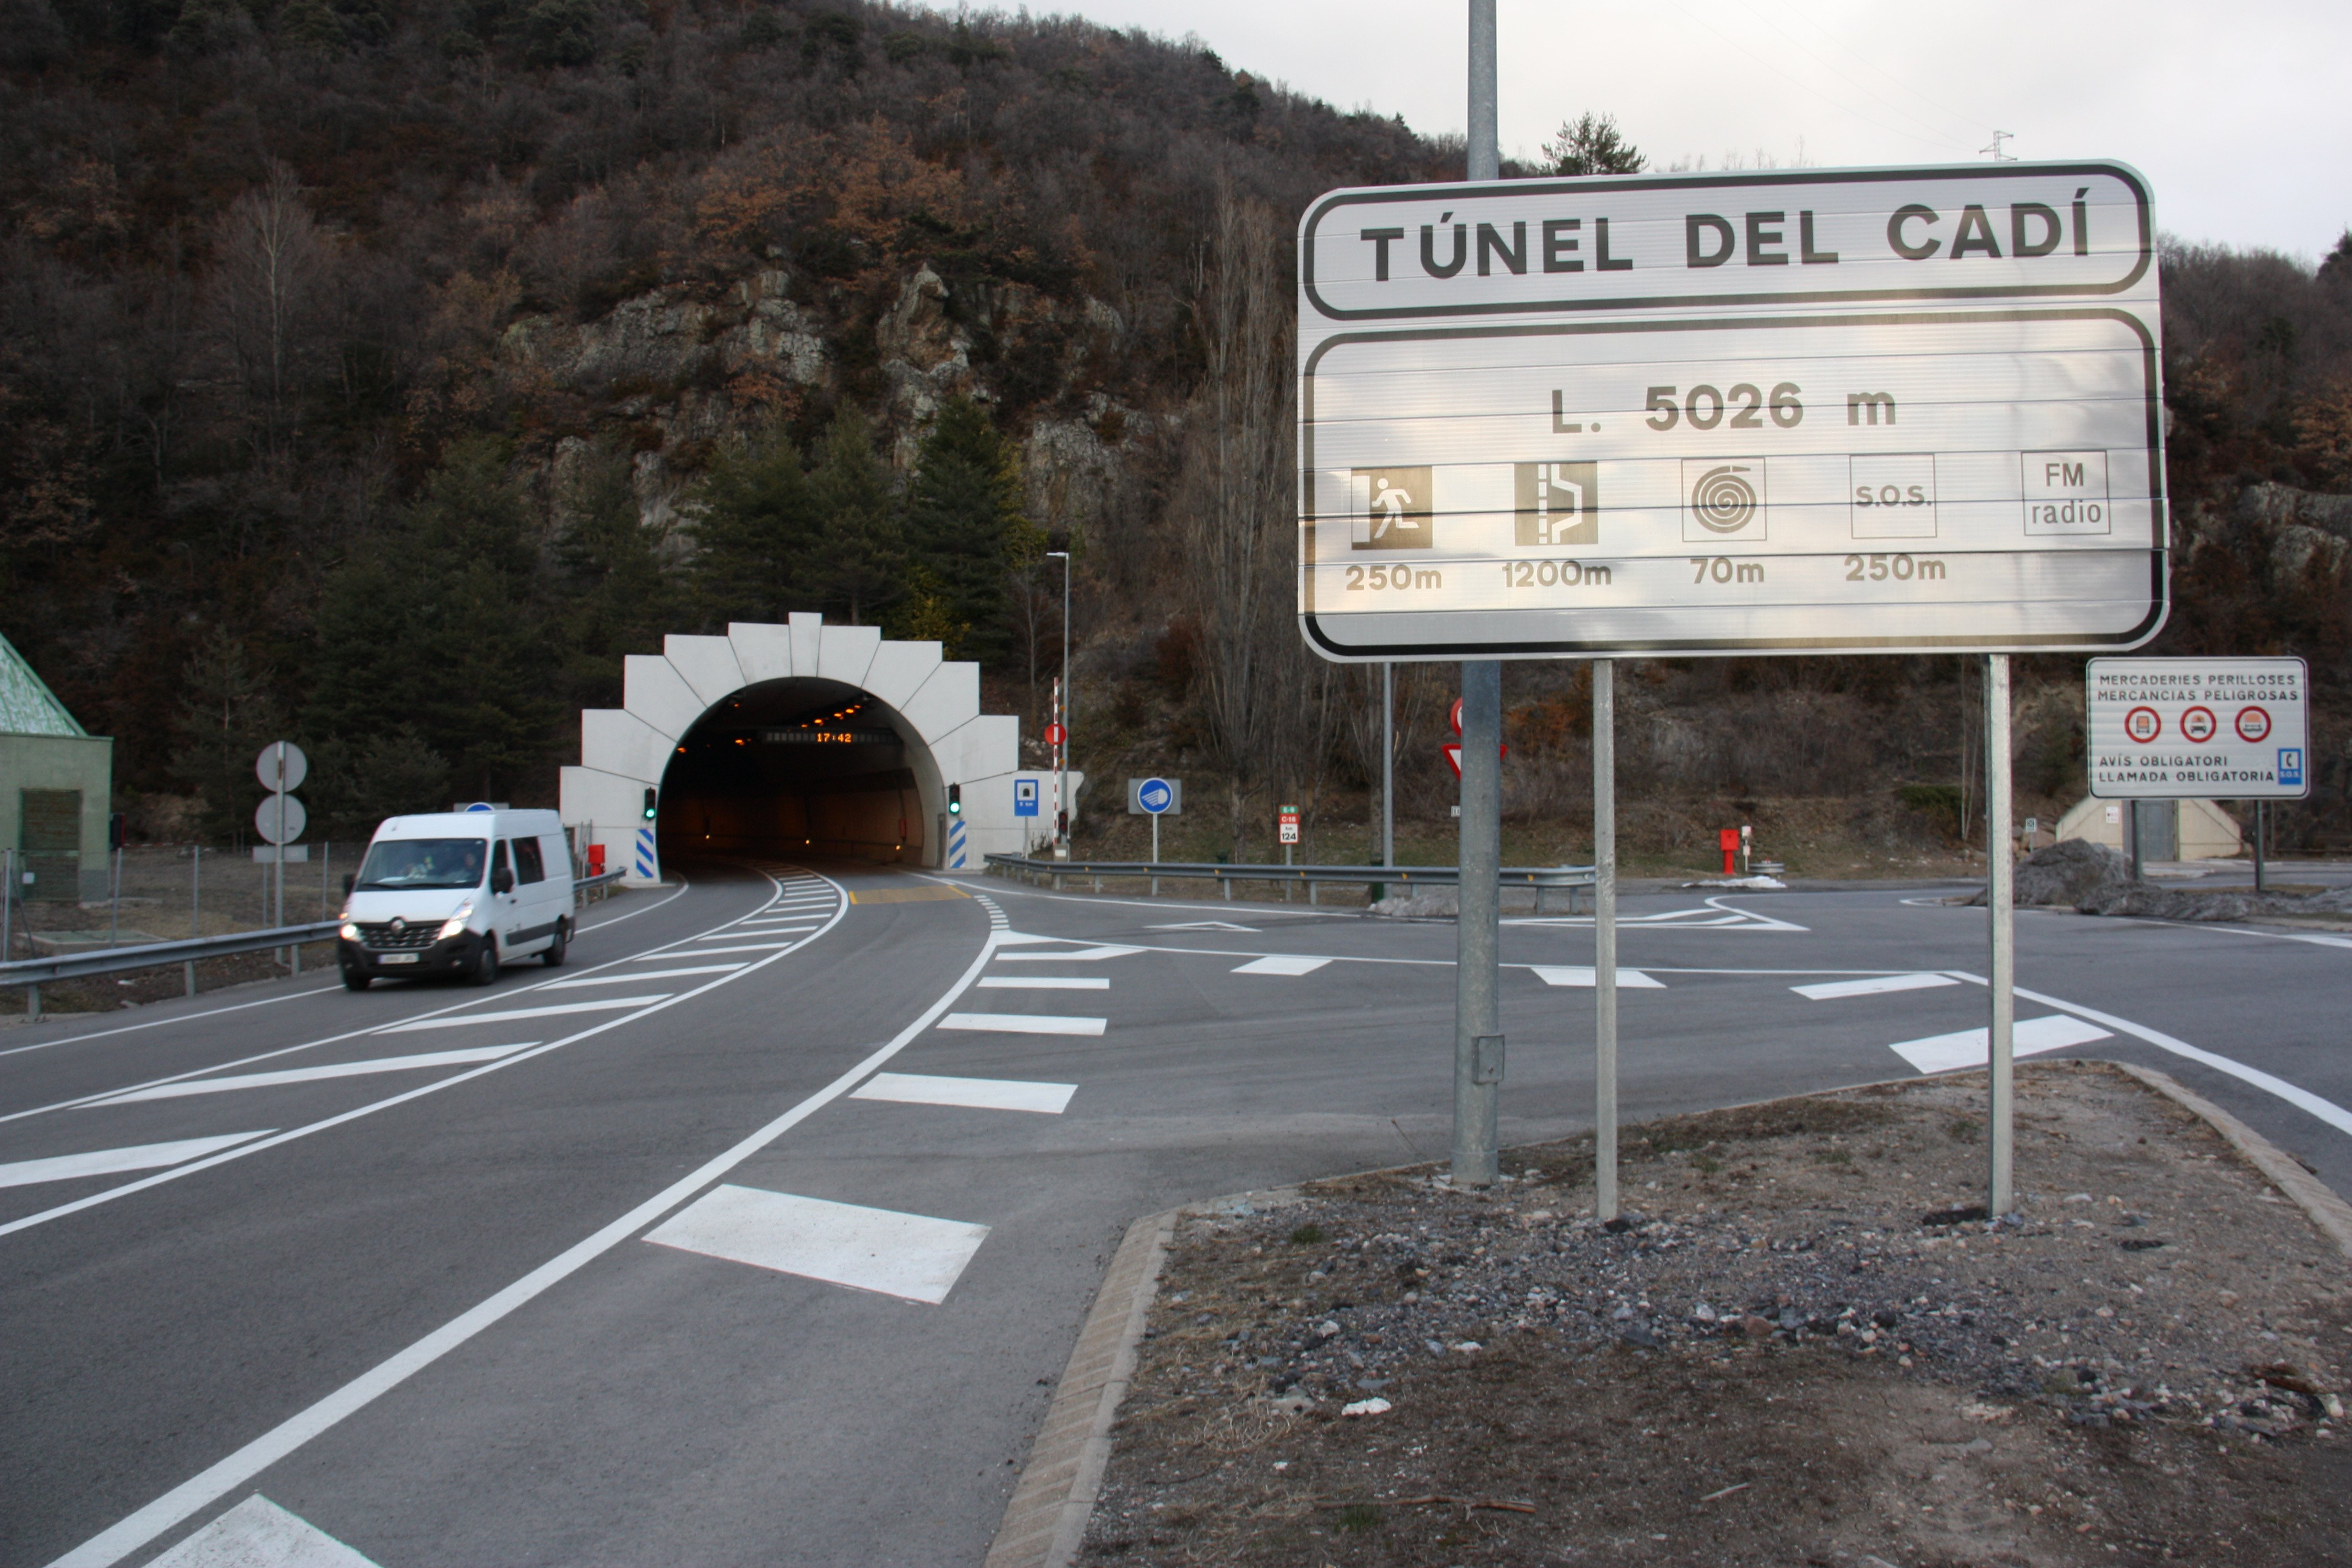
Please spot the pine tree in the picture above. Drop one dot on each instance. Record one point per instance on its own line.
(755, 533)
(861, 553)
(227, 715)
(619, 598)
(964, 522)
(1593, 145)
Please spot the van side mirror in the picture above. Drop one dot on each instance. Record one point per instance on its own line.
(502, 881)
(348, 878)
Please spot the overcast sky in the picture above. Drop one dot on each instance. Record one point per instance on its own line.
(2239, 113)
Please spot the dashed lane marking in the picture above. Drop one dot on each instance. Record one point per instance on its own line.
(1282, 963)
(114, 1162)
(243, 1080)
(739, 932)
(1973, 1047)
(1043, 982)
(1083, 955)
(643, 975)
(1582, 975)
(977, 1093)
(509, 1014)
(713, 952)
(910, 1256)
(1877, 985)
(1023, 1023)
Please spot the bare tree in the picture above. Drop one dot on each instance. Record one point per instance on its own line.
(270, 275)
(1235, 501)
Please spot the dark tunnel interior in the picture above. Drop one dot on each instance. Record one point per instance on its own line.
(795, 767)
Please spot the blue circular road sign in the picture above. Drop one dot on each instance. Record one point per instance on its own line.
(1154, 796)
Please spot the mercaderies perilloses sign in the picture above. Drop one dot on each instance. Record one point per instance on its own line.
(1822, 410)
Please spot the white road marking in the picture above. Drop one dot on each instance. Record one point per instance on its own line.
(1023, 1023)
(713, 952)
(1082, 955)
(186, 1087)
(207, 1487)
(1042, 983)
(1877, 986)
(1582, 975)
(797, 928)
(508, 1015)
(910, 1256)
(1205, 925)
(979, 1093)
(1282, 963)
(1973, 1047)
(2303, 1099)
(1715, 916)
(257, 1533)
(644, 974)
(1023, 939)
(113, 1161)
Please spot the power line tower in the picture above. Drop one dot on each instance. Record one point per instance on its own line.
(1994, 150)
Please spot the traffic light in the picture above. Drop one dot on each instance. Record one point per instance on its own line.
(955, 800)
(653, 802)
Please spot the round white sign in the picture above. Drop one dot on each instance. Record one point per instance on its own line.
(280, 819)
(281, 766)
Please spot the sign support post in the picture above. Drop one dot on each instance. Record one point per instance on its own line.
(2001, 903)
(1604, 939)
(1388, 762)
(1478, 1018)
(2261, 810)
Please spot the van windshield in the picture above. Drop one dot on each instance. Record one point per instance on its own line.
(424, 863)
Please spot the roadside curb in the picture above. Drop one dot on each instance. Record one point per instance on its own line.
(2330, 1213)
(1046, 1521)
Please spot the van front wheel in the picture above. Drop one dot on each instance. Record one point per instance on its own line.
(486, 968)
(554, 956)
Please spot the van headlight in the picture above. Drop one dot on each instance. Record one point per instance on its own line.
(456, 925)
(350, 931)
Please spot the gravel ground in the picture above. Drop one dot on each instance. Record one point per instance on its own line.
(1803, 1348)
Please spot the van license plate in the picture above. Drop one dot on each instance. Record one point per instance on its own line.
(395, 958)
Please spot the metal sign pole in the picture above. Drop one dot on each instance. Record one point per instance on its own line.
(1604, 939)
(1388, 763)
(1477, 1019)
(2261, 883)
(2000, 899)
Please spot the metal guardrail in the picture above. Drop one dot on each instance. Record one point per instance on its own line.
(37, 972)
(1537, 877)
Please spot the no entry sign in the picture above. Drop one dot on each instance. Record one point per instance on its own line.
(2223, 729)
(1893, 410)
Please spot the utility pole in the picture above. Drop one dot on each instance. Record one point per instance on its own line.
(1066, 694)
(1477, 1015)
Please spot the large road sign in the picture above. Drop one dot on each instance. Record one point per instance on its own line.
(2217, 729)
(1851, 410)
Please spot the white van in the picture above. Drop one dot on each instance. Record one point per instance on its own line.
(458, 892)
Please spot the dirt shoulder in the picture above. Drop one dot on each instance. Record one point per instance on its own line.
(1796, 1352)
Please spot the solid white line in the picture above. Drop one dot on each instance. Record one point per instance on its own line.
(790, 928)
(1042, 983)
(1830, 990)
(508, 1016)
(2303, 1099)
(312, 1075)
(973, 1093)
(1973, 1047)
(292, 996)
(119, 1540)
(644, 974)
(356, 1113)
(114, 1162)
(1023, 1023)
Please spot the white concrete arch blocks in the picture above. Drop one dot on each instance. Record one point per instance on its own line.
(932, 702)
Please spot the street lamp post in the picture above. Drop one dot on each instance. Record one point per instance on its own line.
(1069, 705)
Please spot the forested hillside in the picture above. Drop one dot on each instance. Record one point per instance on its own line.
(381, 376)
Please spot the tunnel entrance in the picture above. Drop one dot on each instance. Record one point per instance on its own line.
(797, 767)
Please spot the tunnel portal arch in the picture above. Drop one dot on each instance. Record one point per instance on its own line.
(916, 726)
